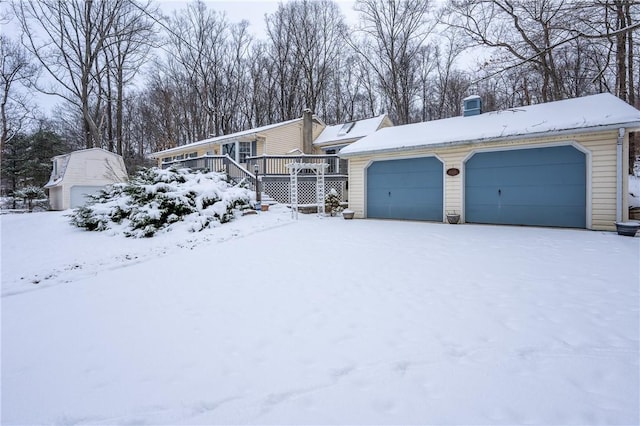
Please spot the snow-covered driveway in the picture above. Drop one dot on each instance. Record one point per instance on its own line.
(265, 320)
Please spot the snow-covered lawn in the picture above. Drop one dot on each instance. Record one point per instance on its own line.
(266, 320)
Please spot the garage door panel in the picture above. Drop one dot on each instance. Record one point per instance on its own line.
(535, 157)
(79, 195)
(543, 175)
(405, 189)
(540, 186)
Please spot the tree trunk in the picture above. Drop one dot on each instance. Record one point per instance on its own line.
(110, 146)
(630, 48)
(119, 107)
(621, 53)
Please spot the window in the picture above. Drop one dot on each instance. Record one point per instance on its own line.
(167, 159)
(244, 151)
(239, 151)
(229, 149)
(193, 154)
(179, 157)
(346, 128)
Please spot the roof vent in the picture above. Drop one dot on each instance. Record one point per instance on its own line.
(472, 106)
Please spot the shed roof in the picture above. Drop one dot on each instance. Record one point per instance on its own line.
(55, 180)
(360, 129)
(587, 113)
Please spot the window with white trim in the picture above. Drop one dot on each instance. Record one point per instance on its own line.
(239, 151)
(244, 151)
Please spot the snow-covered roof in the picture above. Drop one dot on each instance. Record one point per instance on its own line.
(587, 113)
(63, 161)
(344, 132)
(236, 135)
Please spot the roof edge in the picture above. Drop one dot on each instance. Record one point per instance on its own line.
(218, 139)
(629, 126)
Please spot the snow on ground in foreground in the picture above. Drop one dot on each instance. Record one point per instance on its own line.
(266, 320)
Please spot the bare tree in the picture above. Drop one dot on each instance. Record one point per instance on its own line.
(133, 36)
(392, 32)
(319, 41)
(16, 69)
(91, 49)
(280, 32)
(68, 38)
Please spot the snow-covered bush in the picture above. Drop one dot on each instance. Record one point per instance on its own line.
(332, 202)
(30, 193)
(154, 199)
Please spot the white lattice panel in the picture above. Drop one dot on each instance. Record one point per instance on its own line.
(279, 189)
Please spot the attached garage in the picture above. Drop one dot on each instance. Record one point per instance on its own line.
(405, 189)
(537, 186)
(559, 164)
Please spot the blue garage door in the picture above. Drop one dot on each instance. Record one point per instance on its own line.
(540, 186)
(405, 189)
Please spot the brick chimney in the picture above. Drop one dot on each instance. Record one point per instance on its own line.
(307, 131)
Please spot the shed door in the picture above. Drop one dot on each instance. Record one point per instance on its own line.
(539, 186)
(79, 194)
(405, 189)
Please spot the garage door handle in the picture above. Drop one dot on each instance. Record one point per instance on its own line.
(389, 193)
(499, 191)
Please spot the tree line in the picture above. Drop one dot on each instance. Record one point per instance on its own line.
(134, 81)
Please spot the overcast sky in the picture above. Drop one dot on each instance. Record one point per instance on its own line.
(253, 11)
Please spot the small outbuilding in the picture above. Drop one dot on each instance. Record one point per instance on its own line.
(558, 164)
(82, 173)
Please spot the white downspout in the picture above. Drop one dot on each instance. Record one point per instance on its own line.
(619, 184)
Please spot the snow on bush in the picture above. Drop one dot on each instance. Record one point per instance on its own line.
(154, 199)
(332, 202)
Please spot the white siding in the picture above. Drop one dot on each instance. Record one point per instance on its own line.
(601, 146)
(91, 167)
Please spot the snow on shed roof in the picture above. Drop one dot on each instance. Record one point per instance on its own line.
(589, 112)
(360, 129)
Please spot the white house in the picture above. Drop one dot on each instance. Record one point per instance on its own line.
(81, 173)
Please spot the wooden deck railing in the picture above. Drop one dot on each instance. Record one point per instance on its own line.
(273, 172)
(268, 165)
(275, 165)
(216, 163)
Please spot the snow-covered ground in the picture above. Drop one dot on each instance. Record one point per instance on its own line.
(266, 320)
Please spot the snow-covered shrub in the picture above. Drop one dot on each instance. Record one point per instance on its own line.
(332, 202)
(30, 193)
(154, 199)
